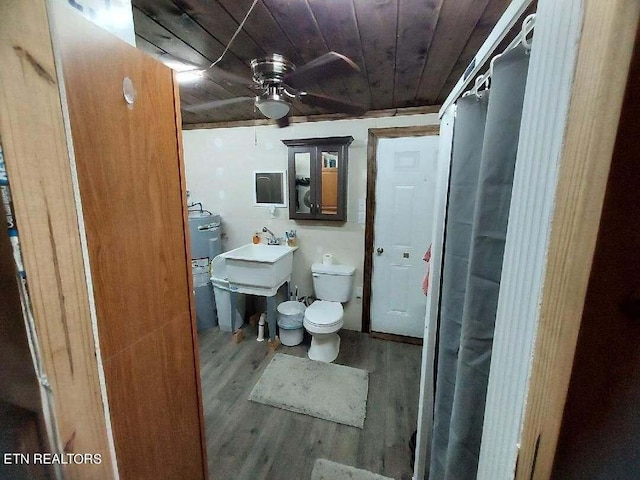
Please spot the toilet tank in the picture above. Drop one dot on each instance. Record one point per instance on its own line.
(332, 283)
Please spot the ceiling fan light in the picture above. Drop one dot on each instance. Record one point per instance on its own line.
(273, 107)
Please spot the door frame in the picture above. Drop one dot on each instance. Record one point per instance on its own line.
(375, 134)
(608, 36)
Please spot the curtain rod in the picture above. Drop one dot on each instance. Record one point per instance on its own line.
(508, 20)
(484, 80)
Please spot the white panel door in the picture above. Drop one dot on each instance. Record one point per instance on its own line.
(405, 185)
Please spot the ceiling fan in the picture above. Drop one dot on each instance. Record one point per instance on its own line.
(279, 83)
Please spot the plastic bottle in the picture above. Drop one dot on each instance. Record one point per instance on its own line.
(291, 238)
(261, 323)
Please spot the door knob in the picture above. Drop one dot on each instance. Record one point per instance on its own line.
(379, 250)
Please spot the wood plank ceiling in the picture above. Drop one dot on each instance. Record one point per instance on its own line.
(410, 52)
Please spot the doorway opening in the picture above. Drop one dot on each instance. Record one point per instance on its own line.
(401, 165)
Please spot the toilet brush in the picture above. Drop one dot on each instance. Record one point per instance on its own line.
(261, 328)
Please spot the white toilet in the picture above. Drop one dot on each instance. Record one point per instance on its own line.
(323, 318)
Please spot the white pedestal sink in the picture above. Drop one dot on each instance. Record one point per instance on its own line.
(260, 267)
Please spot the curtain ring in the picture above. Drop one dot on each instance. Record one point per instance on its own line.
(527, 28)
(487, 81)
(478, 84)
(493, 60)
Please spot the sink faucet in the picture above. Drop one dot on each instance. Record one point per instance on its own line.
(272, 238)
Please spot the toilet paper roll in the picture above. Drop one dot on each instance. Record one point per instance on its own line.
(327, 259)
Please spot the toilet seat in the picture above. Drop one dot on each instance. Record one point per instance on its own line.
(323, 317)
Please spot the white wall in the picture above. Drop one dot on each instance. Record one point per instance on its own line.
(220, 165)
(115, 16)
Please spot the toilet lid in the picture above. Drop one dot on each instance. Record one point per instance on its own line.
(324, 313)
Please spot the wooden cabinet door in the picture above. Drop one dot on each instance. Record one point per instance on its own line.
(130, 176)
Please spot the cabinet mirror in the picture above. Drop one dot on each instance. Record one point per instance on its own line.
(302, 173)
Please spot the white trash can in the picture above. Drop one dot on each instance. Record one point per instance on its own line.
(222, 294)
(290, 321)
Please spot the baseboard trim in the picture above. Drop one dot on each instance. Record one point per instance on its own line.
(397, 338)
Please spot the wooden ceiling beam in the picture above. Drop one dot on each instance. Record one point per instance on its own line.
(263, 28)
(185, 30)
(377, 23)
(416, 27)
(218, 23)
(159, 39)
(392, 112)
(301, 28)
(148, 47)
(337, 19)
(214, 91)
(489, 18)
(204, 91)
(458, 19)
(333, 86)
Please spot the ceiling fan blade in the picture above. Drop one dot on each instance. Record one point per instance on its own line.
(216, 73)
(327, 65)
(216, 104)
(178, 63)
(331, 103)
(283, 122)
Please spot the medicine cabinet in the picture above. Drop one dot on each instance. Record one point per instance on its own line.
(318, 178)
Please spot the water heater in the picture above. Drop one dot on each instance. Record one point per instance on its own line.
(205, 232)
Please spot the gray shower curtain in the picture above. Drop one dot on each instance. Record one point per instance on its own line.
(485, 144)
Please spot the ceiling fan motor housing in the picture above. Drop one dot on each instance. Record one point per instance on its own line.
(269, 72)
(271, 69)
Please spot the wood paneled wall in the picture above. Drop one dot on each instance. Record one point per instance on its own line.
(64, 114)
(601, 425)
(37, 159)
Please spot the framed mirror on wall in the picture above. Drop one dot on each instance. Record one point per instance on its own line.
(270, 188)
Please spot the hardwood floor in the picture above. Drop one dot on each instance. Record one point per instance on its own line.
(250, 441)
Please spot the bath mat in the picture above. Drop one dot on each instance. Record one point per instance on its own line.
(322, 390)
(326, 470)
